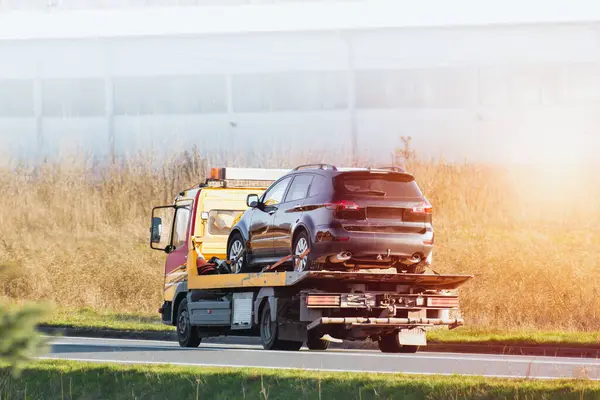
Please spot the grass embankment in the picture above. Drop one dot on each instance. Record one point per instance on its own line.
(77, 235)
(72, 380)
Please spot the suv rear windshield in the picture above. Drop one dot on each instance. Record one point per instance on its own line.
(373, 184)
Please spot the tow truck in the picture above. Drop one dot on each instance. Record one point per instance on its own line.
(203, 298)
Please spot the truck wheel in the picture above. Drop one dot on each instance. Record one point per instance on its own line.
(187, 335)
(390, 344)
(269, 334)
(236, 246)
(314, 341)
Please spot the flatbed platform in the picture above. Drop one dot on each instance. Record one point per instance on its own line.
(280, 279)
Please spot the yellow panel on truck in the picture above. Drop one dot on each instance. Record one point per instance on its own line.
(278, 279)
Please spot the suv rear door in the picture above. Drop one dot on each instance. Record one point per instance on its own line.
(288, 214)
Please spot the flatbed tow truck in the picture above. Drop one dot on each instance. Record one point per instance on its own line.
(286, 309)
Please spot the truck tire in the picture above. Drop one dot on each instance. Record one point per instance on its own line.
(390, 344)
(314, 341)
(269, 334)
(187, 335)
(236, 245)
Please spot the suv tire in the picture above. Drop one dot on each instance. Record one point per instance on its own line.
(236, 245)
(301, 244)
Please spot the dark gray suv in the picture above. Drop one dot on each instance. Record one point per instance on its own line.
(349, 218)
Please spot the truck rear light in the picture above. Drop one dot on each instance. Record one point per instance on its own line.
(322, 300)
(446, 302)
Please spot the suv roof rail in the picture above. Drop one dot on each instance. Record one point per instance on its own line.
(316, 166)
(393, 168)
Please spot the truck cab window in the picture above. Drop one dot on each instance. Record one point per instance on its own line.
(180, 230)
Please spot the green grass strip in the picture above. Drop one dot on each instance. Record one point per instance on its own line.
(89, 318)
(76, 380)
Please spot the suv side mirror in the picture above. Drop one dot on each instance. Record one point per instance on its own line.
(252, 200)
(155, 230)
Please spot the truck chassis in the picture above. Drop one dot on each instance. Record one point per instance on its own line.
(287, 309)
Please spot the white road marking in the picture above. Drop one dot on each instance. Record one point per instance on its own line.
(302, 368)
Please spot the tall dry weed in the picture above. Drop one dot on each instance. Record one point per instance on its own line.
(76, 233)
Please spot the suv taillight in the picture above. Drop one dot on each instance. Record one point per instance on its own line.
(422, 212)
(343, 205)
(424, 208)
(344, 209)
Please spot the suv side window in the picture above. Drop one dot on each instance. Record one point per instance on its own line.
(275, 194)
(319, 186)
(299, 188)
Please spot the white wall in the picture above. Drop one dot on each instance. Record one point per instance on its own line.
(499, 117)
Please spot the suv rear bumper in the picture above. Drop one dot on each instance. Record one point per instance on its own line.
(329, 241)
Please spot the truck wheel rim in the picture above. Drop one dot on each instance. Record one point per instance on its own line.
(301, 247)
(236, 250)
(182, 323)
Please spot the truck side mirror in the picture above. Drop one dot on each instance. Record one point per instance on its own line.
(252, 200)
(159, 238)
(155, 230)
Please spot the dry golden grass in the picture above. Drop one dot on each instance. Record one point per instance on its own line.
(76, 234)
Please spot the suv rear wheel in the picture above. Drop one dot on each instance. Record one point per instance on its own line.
(301, 244)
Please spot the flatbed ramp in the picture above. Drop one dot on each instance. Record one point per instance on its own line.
(310, 278)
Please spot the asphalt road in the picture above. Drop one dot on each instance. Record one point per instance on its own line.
(249, 355)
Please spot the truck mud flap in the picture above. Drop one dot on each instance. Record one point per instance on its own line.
(412, 337)
(383, 322)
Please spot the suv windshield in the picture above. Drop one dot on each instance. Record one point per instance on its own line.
(373, 184)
